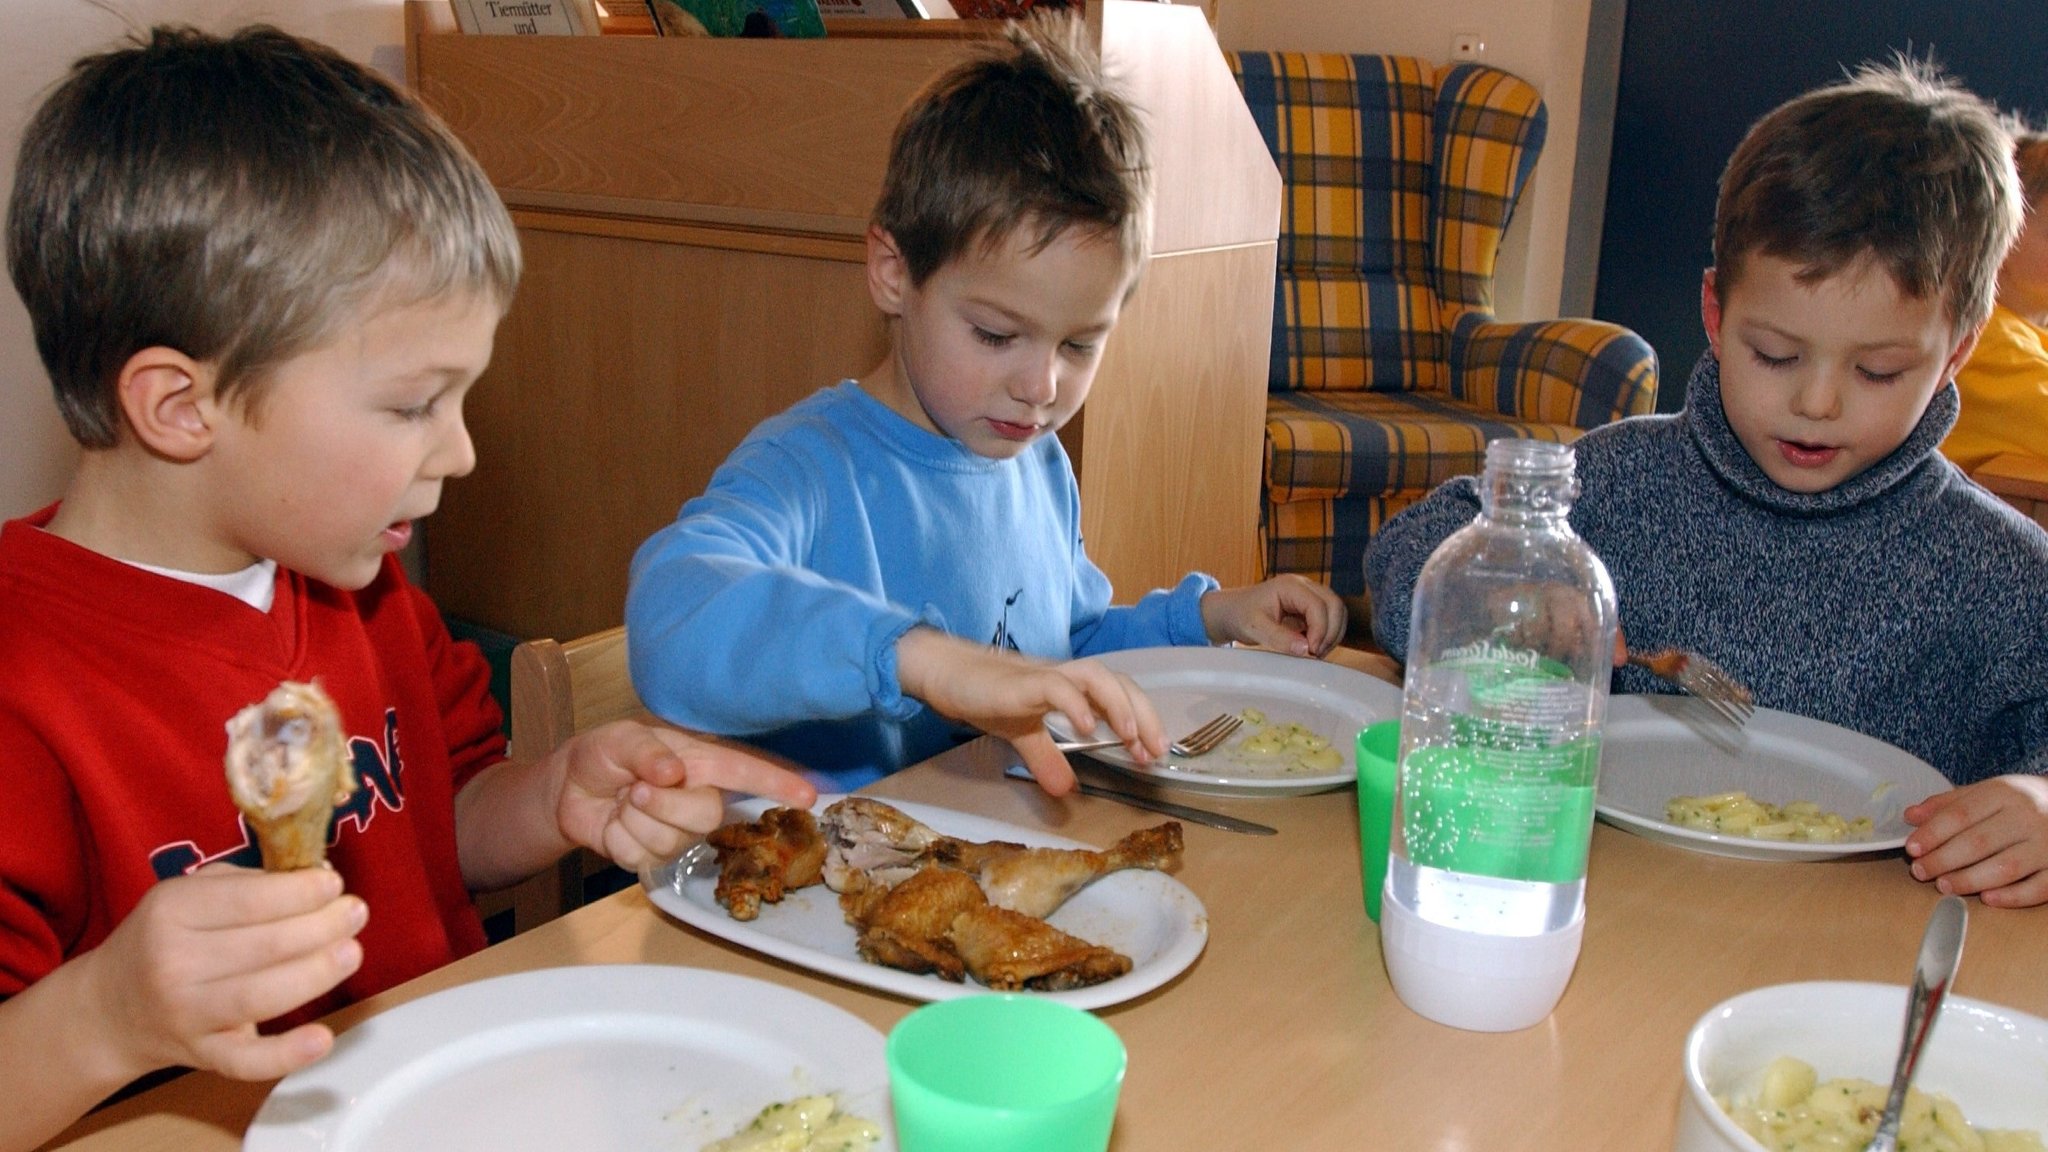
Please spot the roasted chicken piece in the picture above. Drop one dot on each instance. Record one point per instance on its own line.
(288, 768)
(869, 841)
(1009, 951)
(765, 858)
(927, 902)
(905, 926)
(1036, 881)
(872, 842)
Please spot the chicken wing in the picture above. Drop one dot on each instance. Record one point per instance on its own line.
(905, 926)
(1036, 881)
(1009, 951)
(762, 860)
(288, 767)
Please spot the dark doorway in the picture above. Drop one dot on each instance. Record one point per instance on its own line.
(1695, 75)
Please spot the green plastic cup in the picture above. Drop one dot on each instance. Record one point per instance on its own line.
(1379, 755)
(1004, 1073)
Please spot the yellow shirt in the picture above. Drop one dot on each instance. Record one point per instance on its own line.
(2004, 390)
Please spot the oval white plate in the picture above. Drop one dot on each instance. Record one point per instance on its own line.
(1188, 686)
(1148, 916)
(600, 1056)
(1659, 747)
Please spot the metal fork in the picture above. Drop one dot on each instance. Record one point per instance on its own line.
(1195, 743)
(1700, 677)
(1208, 736)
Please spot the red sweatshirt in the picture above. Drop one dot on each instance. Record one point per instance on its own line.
(116, 685)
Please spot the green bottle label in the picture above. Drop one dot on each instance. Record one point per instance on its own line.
(1511, 794)
(1493, 812)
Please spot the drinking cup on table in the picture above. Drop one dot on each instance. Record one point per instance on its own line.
(1379, 754)
(1004, 1073)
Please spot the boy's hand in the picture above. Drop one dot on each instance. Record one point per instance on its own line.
(203, 959)
(1988, 838)
(1288, 613)
(638, 793)
(1008, 695)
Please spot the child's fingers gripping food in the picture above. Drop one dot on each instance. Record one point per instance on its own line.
(203, 959)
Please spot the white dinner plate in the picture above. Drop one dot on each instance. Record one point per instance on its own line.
(1656, 748)
(1189, 686)
(1148, 916)
(605, 1056)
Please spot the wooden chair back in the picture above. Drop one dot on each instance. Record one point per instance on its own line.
(560, 688)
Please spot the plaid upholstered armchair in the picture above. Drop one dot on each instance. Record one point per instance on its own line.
(1389, 371)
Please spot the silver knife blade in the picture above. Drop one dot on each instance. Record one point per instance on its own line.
(1164, 807)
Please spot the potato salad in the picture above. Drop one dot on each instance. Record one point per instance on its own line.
(1290, 747)
(1794, 1111)
(1738, 814)
(806, 1124)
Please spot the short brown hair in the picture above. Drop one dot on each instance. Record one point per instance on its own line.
(1030, 131)
(1896, 163)
(238, 199)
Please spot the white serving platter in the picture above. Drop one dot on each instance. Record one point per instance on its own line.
(1149, 916)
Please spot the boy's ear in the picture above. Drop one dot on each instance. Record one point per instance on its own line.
(1710, 312)
(167, 398)
(888, 273)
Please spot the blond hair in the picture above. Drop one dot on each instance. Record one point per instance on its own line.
(238, 199)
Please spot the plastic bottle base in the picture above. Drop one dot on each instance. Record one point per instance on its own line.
(1476, 982)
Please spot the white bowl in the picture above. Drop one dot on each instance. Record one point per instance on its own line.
(1992, 1061)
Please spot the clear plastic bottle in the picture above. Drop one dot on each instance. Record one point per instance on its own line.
(1509, 655)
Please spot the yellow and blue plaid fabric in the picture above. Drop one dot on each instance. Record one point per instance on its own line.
(1389, 372)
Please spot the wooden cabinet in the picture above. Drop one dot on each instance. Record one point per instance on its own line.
(692, 213)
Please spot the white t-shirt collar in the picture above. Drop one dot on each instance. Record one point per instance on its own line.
(255, 585)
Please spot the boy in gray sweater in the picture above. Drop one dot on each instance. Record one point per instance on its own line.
(1795, 523)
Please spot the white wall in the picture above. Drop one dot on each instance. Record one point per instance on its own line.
(38, 41)
(1542, 41)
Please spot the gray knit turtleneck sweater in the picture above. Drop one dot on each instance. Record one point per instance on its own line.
(1906, 603)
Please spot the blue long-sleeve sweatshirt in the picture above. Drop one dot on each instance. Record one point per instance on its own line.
(1906, 603)
(771, 607)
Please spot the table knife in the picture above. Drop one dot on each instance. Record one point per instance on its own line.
(1164, 807)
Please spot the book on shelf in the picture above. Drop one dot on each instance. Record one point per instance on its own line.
(796, 18)
(527, 17)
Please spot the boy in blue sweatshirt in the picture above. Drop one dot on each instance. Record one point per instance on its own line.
(1795, 522)
(897, 561)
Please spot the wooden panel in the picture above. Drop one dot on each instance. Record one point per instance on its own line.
(1172, 435)
(782, 129)
(1216, 181)
(625, 372)
(798, 131)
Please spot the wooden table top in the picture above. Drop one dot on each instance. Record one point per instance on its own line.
(1285, 1033)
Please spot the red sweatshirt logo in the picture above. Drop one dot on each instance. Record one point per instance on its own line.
(379, 781)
